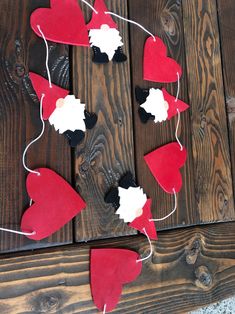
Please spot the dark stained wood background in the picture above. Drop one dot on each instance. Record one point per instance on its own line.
(191, 266)
(108, 151)
(212, 170)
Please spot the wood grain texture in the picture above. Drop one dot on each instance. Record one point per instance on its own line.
(107, 152)
(226, 14)
(190, 268)
(163, 18)
(21, 50)
(212, 173)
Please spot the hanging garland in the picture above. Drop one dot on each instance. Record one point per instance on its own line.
(49, 193)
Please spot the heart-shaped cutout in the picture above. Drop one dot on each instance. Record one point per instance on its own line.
(143, 222)
(110, 269)
(63, 23)
(157, 66)
(165, 163)
(55, 204)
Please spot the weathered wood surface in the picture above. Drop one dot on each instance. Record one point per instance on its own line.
(108, 150)
(226, 13)
(21, 50)
(190, 268)
(211, 160)
(163, 18)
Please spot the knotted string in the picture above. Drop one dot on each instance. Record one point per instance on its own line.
(151, 248)
(18, 232)
(171, 213)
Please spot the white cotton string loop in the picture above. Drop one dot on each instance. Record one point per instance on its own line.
(18, 232)
(90, 6)
(47, 55)
(130, 21)
(178, 112)
(104, 310)
(151, 248)
(171, 213)
(178, 87)
(176, 130)
(35, 140)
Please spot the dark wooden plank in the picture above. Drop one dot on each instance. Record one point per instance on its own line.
(163, 18)
(190, 268)
(21, 50)
(212, 173)
(226, 14)
(107, 152)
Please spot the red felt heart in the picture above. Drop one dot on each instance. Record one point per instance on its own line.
(109, 270)
(157, 66)
(41, 86)
(62, 23)
(56, 203)
(173, 105)
(164, 163)
(143, 221)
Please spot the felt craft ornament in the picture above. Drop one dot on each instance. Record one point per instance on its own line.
(63, 23)
(65, 112)
(165, 163)
(145, 222)
(110, 269)
(157, 66)
(157, 104)
(104, 36)
(55, 204)
(132, 205)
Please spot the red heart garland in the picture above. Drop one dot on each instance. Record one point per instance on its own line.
(142, 222)
(110, 269)
(62, 23)
(157, 66)
(164, 163)
(173, 105)
(41, 86)
(56, 203)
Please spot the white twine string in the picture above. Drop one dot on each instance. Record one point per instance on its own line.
(90, 6)
(35, 140)
(178, 112)
(47, 55)
(178, 87)
(176, 130)
(171, 213)
(132, 22)
(151, 248)
(29, 170)
(104, 310)
(122, 18)
(18, 232)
